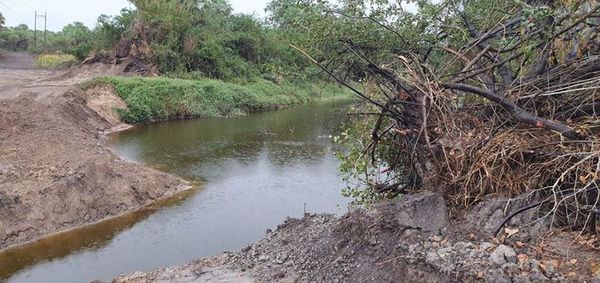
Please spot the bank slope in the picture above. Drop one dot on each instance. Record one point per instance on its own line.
(152, 99)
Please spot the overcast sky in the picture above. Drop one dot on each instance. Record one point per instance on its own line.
(63, 12)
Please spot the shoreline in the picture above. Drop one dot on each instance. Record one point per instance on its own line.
(62, 175)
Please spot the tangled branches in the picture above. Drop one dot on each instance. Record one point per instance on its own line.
(511, 111)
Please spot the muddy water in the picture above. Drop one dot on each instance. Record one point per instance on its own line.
(254, 172)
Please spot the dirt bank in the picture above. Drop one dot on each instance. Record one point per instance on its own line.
(406, 241)
(55, 172)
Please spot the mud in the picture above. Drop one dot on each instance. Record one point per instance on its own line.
(55, 172)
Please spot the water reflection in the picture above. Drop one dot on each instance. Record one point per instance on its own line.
(89, 238)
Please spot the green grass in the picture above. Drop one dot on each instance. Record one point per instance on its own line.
(56, 61)
(151, 99)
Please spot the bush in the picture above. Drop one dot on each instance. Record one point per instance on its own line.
(151, 99)
(56, 61)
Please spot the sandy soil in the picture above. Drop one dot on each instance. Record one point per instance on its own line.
(55, 172)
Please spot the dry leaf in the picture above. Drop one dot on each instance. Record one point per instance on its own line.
(519, 244)
(573, 261)
(511, 232)
(555, 263)
(583, 179)
(522, 258)
(570, 274)
(480, 275)
(595, 269)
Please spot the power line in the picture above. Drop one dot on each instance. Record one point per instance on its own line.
(23, 18)
(25, 5)
(18, 7)
(16, 13)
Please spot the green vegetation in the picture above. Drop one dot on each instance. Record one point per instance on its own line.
(2, 21)
(75, 39)
(151, 99)
(56, 61)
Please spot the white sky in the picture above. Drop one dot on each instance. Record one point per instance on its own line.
(63, 12)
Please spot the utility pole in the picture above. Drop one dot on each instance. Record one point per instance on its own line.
(45, 30)
(45, 16)
(35, 31)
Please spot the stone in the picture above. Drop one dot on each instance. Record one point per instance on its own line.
(445, 252)
(432, 258)
(534, 264)
(548, 269)
(503, 254)
(497, 275)
(510, 268)
(426, 211)
(486, 246)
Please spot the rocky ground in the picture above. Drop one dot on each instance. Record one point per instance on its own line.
(411, 240)
(55, 172)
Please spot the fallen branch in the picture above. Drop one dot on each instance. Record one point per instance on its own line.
(517, 112)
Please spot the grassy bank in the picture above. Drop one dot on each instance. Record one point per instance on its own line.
(150, 99)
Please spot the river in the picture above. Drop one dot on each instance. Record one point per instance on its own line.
(252, 172)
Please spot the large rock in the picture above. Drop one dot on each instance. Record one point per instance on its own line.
(426, 211)
(503, 254)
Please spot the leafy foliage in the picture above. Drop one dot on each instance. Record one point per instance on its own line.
(151, 99)
(212, 41)
(2, 22)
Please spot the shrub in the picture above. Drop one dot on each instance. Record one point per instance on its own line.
(56, 61)
(151, 99)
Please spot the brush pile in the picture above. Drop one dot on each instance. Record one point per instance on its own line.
(514, 112)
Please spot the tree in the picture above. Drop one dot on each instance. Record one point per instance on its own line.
(110, 30)
(77, 33)
(78, 37)
(2, 22)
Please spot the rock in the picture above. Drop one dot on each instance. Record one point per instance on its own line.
(445, 252)
(426, 211)
(263, 258)
(548, 269)
(486, 246)
(510, 268)
(503, 254)
(432, 258)
(496, 275)
(534, 264)
(461, 246)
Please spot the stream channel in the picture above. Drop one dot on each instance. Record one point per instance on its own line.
(252, 172)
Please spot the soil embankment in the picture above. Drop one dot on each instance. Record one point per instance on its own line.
(55, 172)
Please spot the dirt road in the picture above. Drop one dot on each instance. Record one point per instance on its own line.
(19, 76)
(55, 172)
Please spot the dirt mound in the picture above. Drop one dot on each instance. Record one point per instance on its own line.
(103, 100)
(55, 172)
